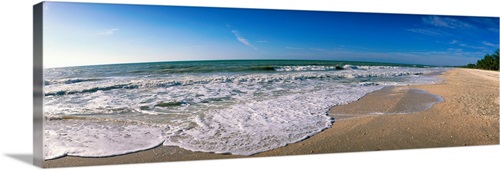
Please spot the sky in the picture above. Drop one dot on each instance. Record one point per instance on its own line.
(90, 34)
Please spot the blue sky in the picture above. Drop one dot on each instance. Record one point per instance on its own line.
(89, 34)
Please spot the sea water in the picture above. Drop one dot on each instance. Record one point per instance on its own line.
(236, 107)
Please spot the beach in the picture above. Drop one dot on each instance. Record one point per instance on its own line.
(469, 115)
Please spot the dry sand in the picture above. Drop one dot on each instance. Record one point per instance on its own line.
(469, 115)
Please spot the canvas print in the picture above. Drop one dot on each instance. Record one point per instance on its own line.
(145, 83)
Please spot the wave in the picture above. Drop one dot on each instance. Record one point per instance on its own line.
(70, 81)
(94, 89)
(252, 68)
(332, 68)
(245, 128)
(248, 79)
(93, 138)
(307, 68)
(208, 69)
(267, 68)
(240, 114)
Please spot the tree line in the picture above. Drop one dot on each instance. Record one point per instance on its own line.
(489, 62)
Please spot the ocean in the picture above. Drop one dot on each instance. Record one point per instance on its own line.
(240, 107)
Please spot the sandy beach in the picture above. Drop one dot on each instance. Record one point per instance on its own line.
(469, 115)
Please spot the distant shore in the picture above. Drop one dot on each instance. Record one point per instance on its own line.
(468, 116)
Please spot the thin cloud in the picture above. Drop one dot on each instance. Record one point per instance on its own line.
(242, 39)
(453, 42)
(490, 44)
(473, 46)
(448, 57)
(446, 22)
(262, 41)
(489, 21)
(429, 32)
(493, 30)
(457, 50)
(491, 24)
(108, 32)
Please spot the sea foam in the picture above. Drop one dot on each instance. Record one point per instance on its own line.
(236, 113)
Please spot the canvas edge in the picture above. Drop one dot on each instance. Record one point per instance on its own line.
(38, 81)
(38, 84)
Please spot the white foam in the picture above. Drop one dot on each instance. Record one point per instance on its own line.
(92, 138)
(304, 68)
(257, 126)
(237, 113)
(350, 67)
(145, 82)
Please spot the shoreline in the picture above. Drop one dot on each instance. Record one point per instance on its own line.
(468, 116)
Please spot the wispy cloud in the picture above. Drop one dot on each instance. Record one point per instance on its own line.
(242, 39)
(448, 57)
(108, 32)
(429, 31)
(491, 24)
(494, 29)
(482, 48)
(446, 22)
(262, 41)
(456, 50)
(490, 44)
(438, 26)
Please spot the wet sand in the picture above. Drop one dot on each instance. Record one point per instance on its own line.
(469, 115)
